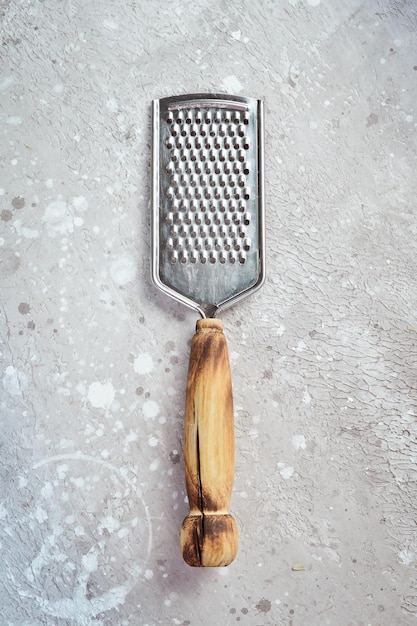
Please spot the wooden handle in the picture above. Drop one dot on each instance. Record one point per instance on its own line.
(209, 535)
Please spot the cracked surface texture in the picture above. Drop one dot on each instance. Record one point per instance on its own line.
(94, 360)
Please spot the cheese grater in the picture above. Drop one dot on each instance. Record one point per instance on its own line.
(208, 253)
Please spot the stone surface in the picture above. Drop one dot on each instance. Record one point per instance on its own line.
(94, 360)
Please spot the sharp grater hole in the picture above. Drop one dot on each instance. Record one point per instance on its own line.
(208, 187)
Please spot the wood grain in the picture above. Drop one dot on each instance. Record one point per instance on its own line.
(209, 533)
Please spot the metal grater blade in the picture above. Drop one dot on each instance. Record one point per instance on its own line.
(208, 206)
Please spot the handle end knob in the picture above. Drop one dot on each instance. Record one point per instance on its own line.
(209, 540)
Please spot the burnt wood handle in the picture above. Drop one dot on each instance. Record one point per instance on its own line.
(209, 535)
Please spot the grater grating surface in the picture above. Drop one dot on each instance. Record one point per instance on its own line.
(207, 199)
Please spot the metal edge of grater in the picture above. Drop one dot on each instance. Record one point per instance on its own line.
(208, 233)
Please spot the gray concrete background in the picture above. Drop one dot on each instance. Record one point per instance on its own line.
(94, 360)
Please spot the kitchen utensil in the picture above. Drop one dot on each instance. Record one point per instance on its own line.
(208, 253)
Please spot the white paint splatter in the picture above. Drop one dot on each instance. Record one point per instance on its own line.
(123, 270)
(14, 381)
(80, 387)
(66, 443)
(153, 441)
(301, 346)
(14, 120)
(25, 232)
(6, 82)
(40, 515)
(80, 203)
(109, 523)
(112, 105)
(299, 442)
(406, 557)
(313, 3)
(58, 218)
(231, 84)
(143, 364)
(306, 397)
(110, 24)
(101, 395)
(286, 471)
(90, 562)
(47, 491)
(131, 437)
(23, 481)
(150, 409)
